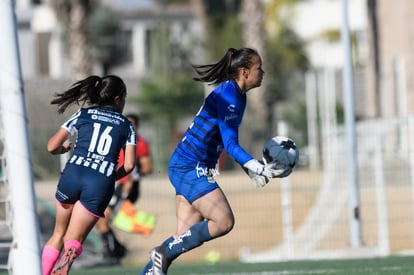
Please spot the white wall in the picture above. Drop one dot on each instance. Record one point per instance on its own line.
(313, 17)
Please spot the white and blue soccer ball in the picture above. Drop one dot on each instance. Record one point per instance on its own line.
(281, 150)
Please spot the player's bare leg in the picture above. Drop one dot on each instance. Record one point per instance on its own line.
(207, 218)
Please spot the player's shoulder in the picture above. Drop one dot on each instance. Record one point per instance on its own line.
(228, 89)
(228, 85)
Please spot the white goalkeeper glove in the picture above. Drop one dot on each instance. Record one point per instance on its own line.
(259, 168)
(255, 170)
(284, 172)
(269, 170)
(258, 180)
(278, 171)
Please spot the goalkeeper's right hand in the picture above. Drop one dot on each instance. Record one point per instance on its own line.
(258, 180)
(264, 169)
(277, 170)
(260, 171)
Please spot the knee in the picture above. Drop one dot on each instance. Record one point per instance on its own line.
(228, 227)
(225, 226)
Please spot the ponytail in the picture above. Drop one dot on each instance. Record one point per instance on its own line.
(226, 68)
(91, 90)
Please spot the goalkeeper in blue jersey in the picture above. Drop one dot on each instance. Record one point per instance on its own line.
(203, 212)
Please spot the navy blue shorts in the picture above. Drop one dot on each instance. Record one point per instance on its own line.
(93, 189)
(190, 179)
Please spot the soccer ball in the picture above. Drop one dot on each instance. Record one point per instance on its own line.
(282, 151)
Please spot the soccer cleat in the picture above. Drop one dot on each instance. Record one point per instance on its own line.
(149, 272)
(159, 260)
(64, 264)
(113, 247)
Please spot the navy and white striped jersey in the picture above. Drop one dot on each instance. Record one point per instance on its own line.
(216, 126)
(101, 133)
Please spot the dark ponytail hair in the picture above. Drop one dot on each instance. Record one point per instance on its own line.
(93, 90)
(227, 67)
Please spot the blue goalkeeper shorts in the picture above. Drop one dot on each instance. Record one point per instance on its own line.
(190, 179)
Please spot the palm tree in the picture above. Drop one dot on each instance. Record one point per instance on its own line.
(73, 15)
(252, 16)
(374, 44)
(104, 26)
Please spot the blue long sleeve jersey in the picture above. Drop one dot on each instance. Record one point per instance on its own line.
(216, 127)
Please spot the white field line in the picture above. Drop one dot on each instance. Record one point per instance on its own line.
(316, 271)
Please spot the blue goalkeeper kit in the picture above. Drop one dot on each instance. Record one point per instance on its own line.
(101, 133)
(215, 127)
(192, 166)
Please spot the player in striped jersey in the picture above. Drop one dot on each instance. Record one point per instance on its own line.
(203, 212)
(87, 181)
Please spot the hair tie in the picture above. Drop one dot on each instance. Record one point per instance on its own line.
(98, 82)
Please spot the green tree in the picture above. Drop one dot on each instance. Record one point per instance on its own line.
(252, 20)
(374, 67)
(171, 98)
(222, 36)
(223, 26)
(169, 94)
(72, 15)
(285, 59)
(165, 101)
(103, 29)
(286, 63)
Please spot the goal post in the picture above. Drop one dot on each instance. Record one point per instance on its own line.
(25, 232)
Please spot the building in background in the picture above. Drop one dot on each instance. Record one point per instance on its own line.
(391, 62)
(381, 34)
(43, 50)
(384, 52)
(319, 23)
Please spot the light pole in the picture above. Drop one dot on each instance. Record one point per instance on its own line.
(351, 144)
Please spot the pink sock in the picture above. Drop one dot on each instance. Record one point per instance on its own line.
(76, 244)
(49, 257)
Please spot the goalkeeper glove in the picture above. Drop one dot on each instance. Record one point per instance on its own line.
(269, 170)
(278, 170)
(258, 180)
(284, 172)
(259, 168)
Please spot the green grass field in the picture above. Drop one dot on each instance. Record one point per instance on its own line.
(396, 265)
